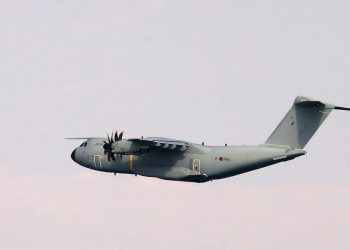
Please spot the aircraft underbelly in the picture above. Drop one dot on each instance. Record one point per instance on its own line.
(172, 167)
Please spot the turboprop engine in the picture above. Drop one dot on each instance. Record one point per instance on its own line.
(116, 145)
(125, 147)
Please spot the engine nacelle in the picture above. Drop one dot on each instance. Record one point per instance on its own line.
(128, 148)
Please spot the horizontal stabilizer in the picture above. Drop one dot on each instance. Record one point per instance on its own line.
(342, 108)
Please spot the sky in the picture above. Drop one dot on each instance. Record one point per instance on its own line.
(203, 71)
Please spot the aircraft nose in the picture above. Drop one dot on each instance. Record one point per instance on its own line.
(73, 155)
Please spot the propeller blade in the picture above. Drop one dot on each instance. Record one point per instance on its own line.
(112, 156)
(112, 137)
(109, 141)
(121, 136)
(105, 152)
(109, 158)
(116, 136)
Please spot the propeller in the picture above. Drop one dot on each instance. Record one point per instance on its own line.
(118, 138)
(108, 145)
(108, 149)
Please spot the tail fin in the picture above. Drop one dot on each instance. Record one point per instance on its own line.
(301, 122)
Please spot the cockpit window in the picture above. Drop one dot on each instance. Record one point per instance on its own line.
(82, 144)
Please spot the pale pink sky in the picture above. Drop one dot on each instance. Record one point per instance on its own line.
(218, 72)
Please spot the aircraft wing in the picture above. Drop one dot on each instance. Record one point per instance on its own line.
(162, 143)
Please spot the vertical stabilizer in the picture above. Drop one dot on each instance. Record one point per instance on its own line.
(300, 123)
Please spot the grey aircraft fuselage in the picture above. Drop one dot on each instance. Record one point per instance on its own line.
(199, 163)
(184, 161)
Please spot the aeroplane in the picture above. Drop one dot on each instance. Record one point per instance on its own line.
(179, 160)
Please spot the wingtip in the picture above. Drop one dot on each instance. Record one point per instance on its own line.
(81, 138)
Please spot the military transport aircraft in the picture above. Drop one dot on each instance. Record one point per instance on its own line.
(184, 161)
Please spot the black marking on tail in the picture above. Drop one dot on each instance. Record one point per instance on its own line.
(342, 108)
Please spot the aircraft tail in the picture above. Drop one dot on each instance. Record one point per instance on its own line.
(301, 122)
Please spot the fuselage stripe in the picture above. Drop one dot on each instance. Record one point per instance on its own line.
(130, 161)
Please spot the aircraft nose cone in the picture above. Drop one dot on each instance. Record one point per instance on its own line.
(73, 155)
